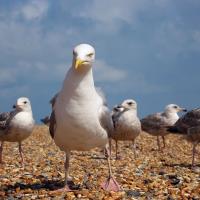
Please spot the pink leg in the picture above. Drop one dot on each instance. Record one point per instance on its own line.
(117, 157)
(1, 152)
(21, 154)
(164, 144)
(193, 154)
(110, 146)
(110, 184)
(134, 149)
(66, 187)
(158, 143)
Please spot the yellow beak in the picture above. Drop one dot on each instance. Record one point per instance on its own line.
(77, 63)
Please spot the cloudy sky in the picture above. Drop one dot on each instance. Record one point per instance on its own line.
(148, 50)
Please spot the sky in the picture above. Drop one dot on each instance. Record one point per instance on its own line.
(147, 50)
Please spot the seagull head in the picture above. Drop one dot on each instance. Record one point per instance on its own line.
(22, 104)
(129, 104)
(83, 56)
(118, 109)
(174, 108)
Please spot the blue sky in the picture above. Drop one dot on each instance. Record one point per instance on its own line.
(148, 50)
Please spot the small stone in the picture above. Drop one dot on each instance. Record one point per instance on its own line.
(133, 193)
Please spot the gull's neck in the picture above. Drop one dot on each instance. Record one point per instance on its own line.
(132, 111)
(170, 114)
(79, 82)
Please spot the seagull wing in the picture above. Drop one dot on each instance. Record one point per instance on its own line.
(52, 119)
(152, 122)
(5, 119)
(190, 119)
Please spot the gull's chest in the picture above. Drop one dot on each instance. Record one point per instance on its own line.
(22, 121)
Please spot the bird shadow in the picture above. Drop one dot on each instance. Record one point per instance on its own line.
(50, 185)
(185, 165)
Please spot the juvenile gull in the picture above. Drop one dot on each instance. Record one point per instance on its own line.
(155, 124)
(189, 126)
(127, 125)
(17, 125)
(80, 120)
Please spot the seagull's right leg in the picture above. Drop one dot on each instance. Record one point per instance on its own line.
(158, 143)
(164, 143)
(193, 153)
(21, 153)
(117, 157)
(1, 152)
(110, 184)
(66, 187)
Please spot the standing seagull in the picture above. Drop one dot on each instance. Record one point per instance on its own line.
(155, 124)
(189, 126)
(127, 125)
(17, 125)
(80, 120)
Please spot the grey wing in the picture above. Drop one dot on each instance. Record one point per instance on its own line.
(153, 122)
(53, 99)
(106, 120)
(52, 125)
(52, 119)
(45, 120)
(5, 119)
(190, 119)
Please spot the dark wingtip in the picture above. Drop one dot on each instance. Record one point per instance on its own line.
(172, 129)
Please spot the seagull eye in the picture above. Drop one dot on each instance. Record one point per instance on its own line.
(130, 103)
(90, 54)
(176, 107)
(25, 102)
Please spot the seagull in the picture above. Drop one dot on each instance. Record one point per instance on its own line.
(17, 125)
(189, 126)
(127, 125)
(155, 124)
(80, 120)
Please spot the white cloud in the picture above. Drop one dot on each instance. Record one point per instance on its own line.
(108, 15)
(14, 91)
(34, 9)
(104, 72)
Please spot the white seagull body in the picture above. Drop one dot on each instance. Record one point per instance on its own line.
(80, 120)
(77, 111)
(17, 125)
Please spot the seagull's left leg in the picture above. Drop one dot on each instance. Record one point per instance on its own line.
(21, 154)
(111, 184)
(116, 150)
(158, 143)
(134, 149)
(1, 152)
(163, 139)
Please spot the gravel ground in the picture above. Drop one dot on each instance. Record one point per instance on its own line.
(152, 175)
